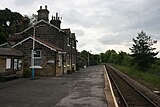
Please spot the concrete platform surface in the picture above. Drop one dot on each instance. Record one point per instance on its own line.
(84, 88)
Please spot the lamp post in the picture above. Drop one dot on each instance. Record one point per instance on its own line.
(33, 50)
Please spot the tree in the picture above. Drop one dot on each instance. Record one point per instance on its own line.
(84, 54)
(19, 26)
(11, 22)
(142, 51)
(33, 19)
(102, 59)
(113, 57)
(124, 59)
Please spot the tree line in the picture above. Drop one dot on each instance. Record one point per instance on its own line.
(142, 56)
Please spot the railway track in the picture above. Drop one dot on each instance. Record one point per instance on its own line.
(130, 96)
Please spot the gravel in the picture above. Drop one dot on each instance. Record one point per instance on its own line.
(143, 89)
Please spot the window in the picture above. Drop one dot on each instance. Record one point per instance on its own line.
(8, 63)
(68, 44)
(37, 62)
(60, 60)
(37, 58)
(37, 54)
(15, 64)
(73, 44)
(19, 64)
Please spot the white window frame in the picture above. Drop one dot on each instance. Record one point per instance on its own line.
(37, 59)
(15, 64)
(8, 63)
(19, 64)
(40, 54)
(68, 41)
(60, 60)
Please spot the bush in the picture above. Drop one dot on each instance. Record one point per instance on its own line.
(26, 72)
(147, 77)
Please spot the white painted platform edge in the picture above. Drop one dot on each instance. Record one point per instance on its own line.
(110, 86)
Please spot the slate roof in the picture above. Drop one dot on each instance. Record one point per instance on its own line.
(10, 52)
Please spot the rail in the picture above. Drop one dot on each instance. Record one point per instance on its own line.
(130, 95)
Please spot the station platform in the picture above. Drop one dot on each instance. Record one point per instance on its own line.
(93, 89)
(89, 87)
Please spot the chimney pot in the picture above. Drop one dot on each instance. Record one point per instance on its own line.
(40, 7)
(45, 6)
(56, 16)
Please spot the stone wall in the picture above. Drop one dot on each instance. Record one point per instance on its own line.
(2, 64)
(53, 36)
(48, 69)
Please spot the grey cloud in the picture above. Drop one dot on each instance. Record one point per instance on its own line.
(73, 16)
(110, 40)
(119, 39)
(85, 42)
(79, 32)
(23, 2)
(133, 15)
(81, 45)
(127, 17)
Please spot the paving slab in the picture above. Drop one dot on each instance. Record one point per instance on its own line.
(84, 88)
(88, 91)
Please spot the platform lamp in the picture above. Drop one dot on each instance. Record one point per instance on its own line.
(33, 50)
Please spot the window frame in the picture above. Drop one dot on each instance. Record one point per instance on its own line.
(17, 64)
(68, 41)
(20, 64)
(35, 58)
(8, 63)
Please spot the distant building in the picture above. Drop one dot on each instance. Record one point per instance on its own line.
(54, 50)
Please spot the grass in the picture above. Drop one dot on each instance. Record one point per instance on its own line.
(147, 78)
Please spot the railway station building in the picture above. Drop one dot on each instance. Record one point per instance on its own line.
(47, 48)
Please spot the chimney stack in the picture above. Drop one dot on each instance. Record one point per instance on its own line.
(43, 14)
(56, 21)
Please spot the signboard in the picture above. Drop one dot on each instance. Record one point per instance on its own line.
(51, 61)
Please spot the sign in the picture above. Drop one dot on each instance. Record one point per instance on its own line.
(33, 52)
(51, 61)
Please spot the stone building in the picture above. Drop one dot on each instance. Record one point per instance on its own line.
(47, 48)
(10, 63)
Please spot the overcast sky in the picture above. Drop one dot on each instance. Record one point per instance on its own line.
(99, 25)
